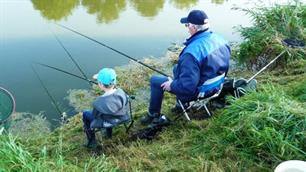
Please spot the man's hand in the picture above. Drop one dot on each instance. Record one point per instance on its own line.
(166, 85)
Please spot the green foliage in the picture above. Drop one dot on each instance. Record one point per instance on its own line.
(184, 4)
(80, 99)
(254, 133)
(265, 126)
(55, 9)
(106, 11)
(14, 156)
(148, 8)
(26, 125)
(298, 90)
(270, 26)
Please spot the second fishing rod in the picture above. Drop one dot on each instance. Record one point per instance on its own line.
(113, 49)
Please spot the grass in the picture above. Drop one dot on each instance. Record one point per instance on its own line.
(253, 133)
(270, 26)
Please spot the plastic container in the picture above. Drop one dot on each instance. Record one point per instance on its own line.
(291, 166)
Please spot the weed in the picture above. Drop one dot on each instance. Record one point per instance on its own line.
(271, 25)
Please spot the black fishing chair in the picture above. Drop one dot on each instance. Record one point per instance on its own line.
(203, 99)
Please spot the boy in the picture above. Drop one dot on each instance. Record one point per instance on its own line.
(109, 109)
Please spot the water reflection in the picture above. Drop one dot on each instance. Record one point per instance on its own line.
(55, 9)
(106, 10)
(217, 2)
(184, 4)
(148, 8)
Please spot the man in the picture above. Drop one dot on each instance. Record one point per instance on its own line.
(205, 56)
(109, 110)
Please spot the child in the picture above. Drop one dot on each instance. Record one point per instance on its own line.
(109, 109)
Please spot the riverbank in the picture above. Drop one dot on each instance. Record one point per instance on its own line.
(255, 132)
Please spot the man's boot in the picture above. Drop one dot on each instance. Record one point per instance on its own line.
(91, 138)
(150, 118)
(162, 121)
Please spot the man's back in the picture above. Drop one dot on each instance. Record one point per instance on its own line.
(211, 52)
(205, 56)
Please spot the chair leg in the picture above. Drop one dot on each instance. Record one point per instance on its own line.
(207, 110)
(109, 132)
(184, 110)
(127, 127)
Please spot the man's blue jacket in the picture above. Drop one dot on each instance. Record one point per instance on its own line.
(205, 56)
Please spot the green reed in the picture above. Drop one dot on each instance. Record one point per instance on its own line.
(270, 26)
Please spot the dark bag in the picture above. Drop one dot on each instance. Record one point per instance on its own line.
(237, 88)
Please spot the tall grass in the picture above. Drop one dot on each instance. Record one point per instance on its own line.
(266, 127)
(45, 155)
(270, 26)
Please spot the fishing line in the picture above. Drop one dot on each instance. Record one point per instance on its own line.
(70, 56)
(117, 51)
(47, 91)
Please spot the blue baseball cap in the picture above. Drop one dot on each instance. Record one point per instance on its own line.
(197, 17)
(106, 76)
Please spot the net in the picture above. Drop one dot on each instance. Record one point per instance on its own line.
(7, 104)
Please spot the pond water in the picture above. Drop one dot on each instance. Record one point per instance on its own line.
(139, 28)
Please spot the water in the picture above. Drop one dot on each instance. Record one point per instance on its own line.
(139, 28)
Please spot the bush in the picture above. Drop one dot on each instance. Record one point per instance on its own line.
(270, 26)
(266, 125)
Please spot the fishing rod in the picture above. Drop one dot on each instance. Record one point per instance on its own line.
(71, 74)
(47, 91)
(68, 73)
(117, 51)
(70, 56)
(290, 43)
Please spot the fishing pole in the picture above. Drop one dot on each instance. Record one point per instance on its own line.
(290, 43)
(68, 73)
(70, 56)
(47, 91)
(117, 51)
(71, 74)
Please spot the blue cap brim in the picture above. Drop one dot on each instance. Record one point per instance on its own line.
(184, 20)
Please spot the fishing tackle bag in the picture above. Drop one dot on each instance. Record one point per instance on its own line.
(237, 87)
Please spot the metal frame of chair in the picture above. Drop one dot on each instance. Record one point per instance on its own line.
(202, 101)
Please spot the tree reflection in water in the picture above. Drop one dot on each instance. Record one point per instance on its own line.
(217, 1)
(184, 4)
(148, 8)
(55, 9)
(106, 10)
